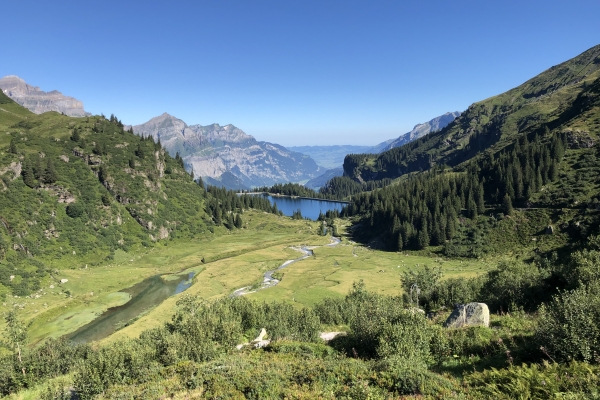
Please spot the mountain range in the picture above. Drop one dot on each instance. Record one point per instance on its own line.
(38, 101)
(227, 156)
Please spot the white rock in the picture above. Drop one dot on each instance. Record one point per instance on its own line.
(64, 280)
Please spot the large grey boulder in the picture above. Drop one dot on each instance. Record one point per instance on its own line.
(471, 314)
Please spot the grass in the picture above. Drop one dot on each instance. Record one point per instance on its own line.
(222, 262)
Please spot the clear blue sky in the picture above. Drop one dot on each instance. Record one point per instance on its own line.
(290, 72)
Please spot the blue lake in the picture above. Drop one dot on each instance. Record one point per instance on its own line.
(308, 207)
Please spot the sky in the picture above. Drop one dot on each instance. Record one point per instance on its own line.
(290, 72)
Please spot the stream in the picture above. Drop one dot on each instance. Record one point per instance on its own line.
(145, 295)
(269, 281)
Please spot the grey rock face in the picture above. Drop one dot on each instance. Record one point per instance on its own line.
(471, 314)
(421, 130)
(38, 101)
(220, 152)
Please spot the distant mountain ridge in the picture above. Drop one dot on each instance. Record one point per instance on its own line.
(224, 153)
(421, 130)
(564, 99)
(38, 101)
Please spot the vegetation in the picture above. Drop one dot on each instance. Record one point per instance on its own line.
(515, 174)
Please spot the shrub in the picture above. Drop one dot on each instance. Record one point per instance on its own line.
(75, 210)
(569, 326)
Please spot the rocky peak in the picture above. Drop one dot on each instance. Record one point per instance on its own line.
(38, 101)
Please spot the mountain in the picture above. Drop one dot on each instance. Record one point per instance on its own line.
(321, 180)
(562, 99)
(223, 152)
(333, 156)
(38, 101)
(533, 148)
(73, 191)
(421, 130)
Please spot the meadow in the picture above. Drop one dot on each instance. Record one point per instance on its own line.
(223, 262)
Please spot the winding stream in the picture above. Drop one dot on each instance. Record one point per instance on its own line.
(269, 281)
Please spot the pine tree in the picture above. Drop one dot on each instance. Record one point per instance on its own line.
(12, 148)
(131, 163)
(400, 242)
(238, 221)
(28, 176)
(75, 136)
(507, 205)
(50, 175)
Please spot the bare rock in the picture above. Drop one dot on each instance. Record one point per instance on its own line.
(579, 140)
(38, 101)
(471, 314)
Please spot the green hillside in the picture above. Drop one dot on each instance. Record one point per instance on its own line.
(562, 99)
(533, 147)
(75, 190)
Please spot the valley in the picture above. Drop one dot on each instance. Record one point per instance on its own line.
(125, 275)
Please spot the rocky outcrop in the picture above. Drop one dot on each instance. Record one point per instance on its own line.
(471, 314)
(421, 130)
(222, 152)
(38, 101)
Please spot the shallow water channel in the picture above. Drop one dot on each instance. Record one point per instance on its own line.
(144, 296)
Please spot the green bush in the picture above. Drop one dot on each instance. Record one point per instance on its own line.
(569, 325)
(75, 210)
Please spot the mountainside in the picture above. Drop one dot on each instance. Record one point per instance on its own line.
(562, 99)
(421, 130)
(218, 152)
(38, 101)
(534, 148)
(321, 180)
(73, 191)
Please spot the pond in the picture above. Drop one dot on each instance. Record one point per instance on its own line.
(145, 295)
(310, 208)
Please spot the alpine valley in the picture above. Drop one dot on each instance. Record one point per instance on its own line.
(464, 264)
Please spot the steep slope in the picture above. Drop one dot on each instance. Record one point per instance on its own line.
(38, 101)
(73, 191)
(421, 130)
(217, 152)
(322, 180)
(561, 99)
(532, 148)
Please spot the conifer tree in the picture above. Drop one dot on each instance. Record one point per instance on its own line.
(75, 136)
(238, 221)
(12, 148)
(27, 174)
(507, 205)
(50, 175)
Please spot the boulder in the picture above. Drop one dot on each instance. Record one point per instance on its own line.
(549, 230)
(471, 314)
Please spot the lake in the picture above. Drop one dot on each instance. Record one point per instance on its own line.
(310, 208)
(144, 296)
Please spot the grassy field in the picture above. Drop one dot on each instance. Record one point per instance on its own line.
(231, 260)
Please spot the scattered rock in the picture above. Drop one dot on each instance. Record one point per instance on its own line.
(471, 314)
(261, 336)
(12, 277)
(64, 280)
(261, 343)
(579, 140)
(51, 286)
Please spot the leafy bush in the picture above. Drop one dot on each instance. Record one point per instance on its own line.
(569, 325)
(75, 210)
